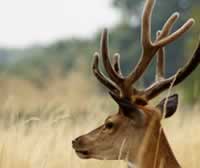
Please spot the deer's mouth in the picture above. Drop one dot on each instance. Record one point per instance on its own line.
(82, 153)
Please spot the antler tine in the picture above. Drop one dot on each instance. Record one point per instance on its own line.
(168, 25)
(160, 65)
(101, 77)
(146, 24)
(183, 73)
(106, 60)
(116, 63)
(175, 35)
(148, 50)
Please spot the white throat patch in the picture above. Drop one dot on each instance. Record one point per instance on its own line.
(131, 165)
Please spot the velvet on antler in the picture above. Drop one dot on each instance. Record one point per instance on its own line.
(123, 86)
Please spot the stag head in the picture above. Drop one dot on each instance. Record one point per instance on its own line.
(123, 133)
(137, 122)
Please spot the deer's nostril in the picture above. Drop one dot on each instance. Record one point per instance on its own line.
(76, 142)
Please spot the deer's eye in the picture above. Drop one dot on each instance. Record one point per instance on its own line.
(109, 125)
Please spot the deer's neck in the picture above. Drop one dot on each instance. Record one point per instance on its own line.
(154, 156)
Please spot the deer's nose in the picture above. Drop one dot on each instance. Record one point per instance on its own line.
(76, 142)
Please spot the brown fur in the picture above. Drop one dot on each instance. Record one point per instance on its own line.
(129, 140)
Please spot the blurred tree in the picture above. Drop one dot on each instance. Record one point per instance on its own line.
(130, 8)
(192, 85)
(40, 63)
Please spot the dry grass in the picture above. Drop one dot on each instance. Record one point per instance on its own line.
(37, 126)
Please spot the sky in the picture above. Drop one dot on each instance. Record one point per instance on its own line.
(30, 22)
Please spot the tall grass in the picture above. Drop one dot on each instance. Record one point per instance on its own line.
(37, 125)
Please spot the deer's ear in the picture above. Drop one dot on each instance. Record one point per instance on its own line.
(170, 105)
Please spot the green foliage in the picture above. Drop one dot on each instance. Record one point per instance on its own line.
(38, 63)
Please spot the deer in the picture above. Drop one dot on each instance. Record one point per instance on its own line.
(135, 133)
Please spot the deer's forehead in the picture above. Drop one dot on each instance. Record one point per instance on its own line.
(116, 118)
(150, 112)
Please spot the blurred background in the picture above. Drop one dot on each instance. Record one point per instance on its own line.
(48, 90)
(41, 38)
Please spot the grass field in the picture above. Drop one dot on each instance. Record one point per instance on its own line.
(37, 125)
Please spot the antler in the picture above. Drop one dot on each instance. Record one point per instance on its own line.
(116, 63)
(122, 85)
(150, 48)
(117, 82)
(179, 76)
(101, 77)
(160, 66)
